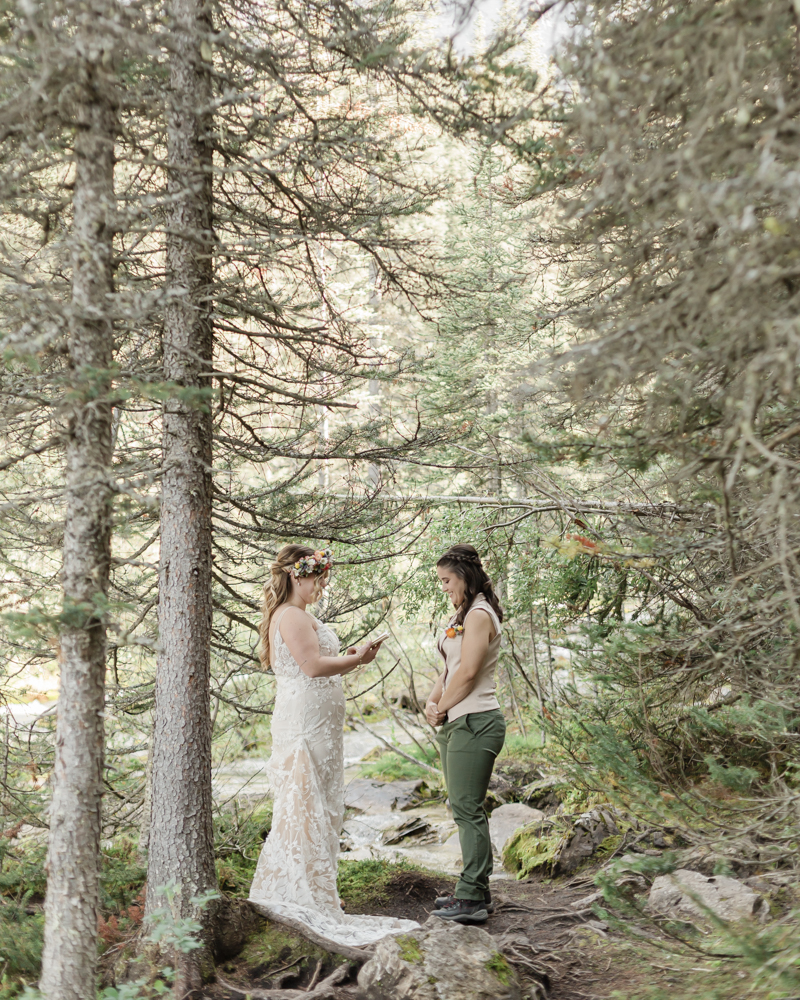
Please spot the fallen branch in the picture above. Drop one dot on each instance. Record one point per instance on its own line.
(324, 991)
(359, 955)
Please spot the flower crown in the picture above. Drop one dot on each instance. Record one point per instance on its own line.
(315, 564)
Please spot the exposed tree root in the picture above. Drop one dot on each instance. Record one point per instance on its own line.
(323, 991)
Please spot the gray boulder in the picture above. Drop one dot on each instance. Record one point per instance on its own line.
(588, 833)
(440, 961)
(381, 796)
(687, 893)
(506, 820)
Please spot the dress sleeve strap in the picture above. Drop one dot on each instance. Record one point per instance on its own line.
(278, 623)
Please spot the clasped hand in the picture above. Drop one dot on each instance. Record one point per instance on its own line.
(433, 715)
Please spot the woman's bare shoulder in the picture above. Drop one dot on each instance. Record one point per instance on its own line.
(295, 618)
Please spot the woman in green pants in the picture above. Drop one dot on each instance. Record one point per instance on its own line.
(473, 729)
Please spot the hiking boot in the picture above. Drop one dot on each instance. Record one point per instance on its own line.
(442, 901)
(464, 911)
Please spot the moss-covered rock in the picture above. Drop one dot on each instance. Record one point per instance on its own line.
(608, 846)
(529, 850)
(440, 961)
(409, 949)
(567, 843)
(500, 967)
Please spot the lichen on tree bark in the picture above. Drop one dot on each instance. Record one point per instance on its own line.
(70, 950)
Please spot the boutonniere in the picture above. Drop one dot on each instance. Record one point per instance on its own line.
(453, 631)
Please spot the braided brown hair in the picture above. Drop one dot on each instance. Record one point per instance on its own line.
(464, 561)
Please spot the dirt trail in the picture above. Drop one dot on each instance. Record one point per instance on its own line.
(569, 946)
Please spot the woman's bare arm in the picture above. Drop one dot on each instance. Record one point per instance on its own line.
(299, 634)
(478, 633)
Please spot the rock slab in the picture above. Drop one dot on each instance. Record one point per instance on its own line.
(380, 796)
(440, 961)
(506, 820)
(687, 892)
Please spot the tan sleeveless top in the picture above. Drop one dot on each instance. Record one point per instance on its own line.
(481, 698)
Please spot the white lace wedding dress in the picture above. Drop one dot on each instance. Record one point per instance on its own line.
(296, 872)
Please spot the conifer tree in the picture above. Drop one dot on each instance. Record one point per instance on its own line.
(61, 117)
(180, 842)
(486, 319)
(676, 246)
(69, 960)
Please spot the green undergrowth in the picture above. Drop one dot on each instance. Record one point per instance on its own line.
(694, 771)
(652, 973)
(383, 764)
(523, 748)
(368, 883)
(22, 869)
(122, 876)
(21, 942)
(743, 964)
(172, 935)
(702, 957)
(22, 888)
(238, 839)
(23, 879)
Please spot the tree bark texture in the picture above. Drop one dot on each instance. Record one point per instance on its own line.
(181, 837)
(70, 943)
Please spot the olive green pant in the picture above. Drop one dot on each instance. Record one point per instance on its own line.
(468, 747)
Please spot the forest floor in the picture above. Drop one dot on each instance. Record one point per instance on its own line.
(584, 958)
(581, 953)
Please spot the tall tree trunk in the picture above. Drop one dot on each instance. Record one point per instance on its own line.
(70, 944)
(181, 838)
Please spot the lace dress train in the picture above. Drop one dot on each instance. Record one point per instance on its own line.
(296, 871)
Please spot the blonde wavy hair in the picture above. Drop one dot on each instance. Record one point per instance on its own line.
(277, 590)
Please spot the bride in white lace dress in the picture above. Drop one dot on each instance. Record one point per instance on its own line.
(296, 872)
